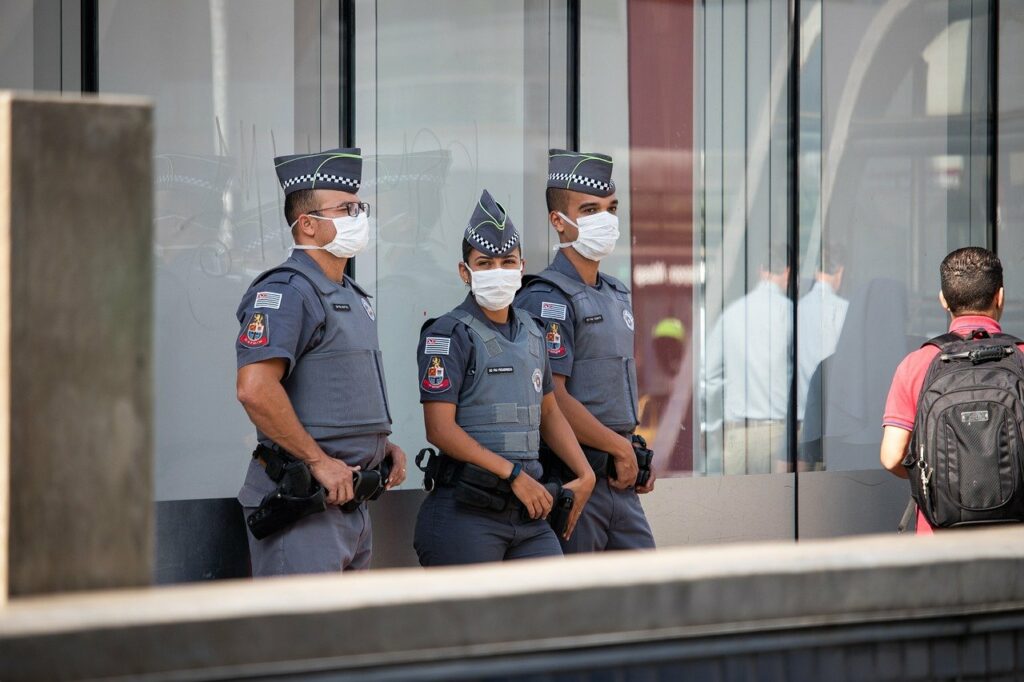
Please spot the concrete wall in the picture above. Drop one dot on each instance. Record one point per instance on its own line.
(75, 341)
(943, 607)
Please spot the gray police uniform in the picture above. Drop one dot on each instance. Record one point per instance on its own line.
(588, 334)
(497, 377)
(326, 332)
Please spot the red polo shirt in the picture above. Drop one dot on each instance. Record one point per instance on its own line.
(901, 405)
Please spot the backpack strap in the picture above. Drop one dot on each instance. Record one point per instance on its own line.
(943, 341)
(909, 515)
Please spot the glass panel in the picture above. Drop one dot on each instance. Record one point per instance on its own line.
(30, 45)
(1010, 194)
(745, 314)
(901, 149)
(442, 119)
(234, 83)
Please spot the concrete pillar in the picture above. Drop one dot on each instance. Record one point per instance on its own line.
(76, 309)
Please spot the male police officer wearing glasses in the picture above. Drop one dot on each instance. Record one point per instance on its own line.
(310, 378)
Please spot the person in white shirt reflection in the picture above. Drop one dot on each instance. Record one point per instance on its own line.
(748, 377)
(820, 316)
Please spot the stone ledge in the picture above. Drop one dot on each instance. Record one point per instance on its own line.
(394, 616)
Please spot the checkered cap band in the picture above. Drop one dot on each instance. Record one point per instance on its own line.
(314, 178)
(487, 246)
(581, 180)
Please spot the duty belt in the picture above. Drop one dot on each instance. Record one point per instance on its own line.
(600, 461)
(479, 489)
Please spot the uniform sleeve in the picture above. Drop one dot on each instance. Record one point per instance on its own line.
(554, 314)
(277, 321)
(549, 383)
(443, 362)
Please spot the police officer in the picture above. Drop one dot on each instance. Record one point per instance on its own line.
(309, 370)
(588, 328)
(486, 390)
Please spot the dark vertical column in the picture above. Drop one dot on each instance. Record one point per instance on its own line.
(572, 108)
(90, 46)
(993, 125)
(347, 80)
(793, 217)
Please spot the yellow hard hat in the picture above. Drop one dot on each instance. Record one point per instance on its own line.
(670, 328)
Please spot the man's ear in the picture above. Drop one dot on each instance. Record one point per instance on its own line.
(556, 221)
(1000, 298)
(942, 300)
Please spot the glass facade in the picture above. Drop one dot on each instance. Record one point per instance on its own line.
(788, 187)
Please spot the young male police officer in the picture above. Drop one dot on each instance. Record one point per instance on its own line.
(309, 370)
(588, 327)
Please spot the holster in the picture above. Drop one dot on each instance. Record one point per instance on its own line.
(562, 508)
(298, 494)
(368, 485)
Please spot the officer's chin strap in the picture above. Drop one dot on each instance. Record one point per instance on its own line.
(429, 469)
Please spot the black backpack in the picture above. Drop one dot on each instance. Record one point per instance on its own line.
(966, 454)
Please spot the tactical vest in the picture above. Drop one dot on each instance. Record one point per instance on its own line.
(337, 388)
(603, 368)
(499, 405)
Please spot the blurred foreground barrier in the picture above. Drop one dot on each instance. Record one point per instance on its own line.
(76, 301)
(896, 608)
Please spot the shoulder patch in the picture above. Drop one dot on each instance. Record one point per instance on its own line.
(268, 299)
(434, 379)
(256, 332)
(437, 345)
(553, 341)
(550, 309)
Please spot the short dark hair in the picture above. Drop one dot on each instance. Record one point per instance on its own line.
(299, 202)
(558, 199)
(971, 277)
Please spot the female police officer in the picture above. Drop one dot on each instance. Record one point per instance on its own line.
(487, 399)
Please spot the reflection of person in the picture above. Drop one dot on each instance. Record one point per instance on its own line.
(820, 316)
(667, 340)
(589, 332)
(486, 390)
(747, 355)
(309, 370)
(847, 392)
(972, 292)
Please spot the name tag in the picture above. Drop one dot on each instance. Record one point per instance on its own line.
(342, 307)
(500, 370)
(593, 318)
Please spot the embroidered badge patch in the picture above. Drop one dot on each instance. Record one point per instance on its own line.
(538, 380)
(628, 317)
(500, 370)
(593, 319)
(437, 345)
(369, 309)
(554, 341)
(435, 381)
(555, 311)
(342, 307)
(267, 299)
(256, 332)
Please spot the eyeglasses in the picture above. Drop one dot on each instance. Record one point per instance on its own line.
(354, 208)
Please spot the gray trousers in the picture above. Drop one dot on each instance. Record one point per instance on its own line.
(326, 542)
(613, 519)
(449, 533)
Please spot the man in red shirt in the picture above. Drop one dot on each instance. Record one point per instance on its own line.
(972, 292)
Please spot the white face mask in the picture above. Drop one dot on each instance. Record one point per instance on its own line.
(597, 235)
(351, 236)
(494, 289)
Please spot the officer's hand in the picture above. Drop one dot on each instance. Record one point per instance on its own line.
(533, 495)
(625, 465)
(336, 478)
(397, 456)
(581, 489)
(644, 489)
